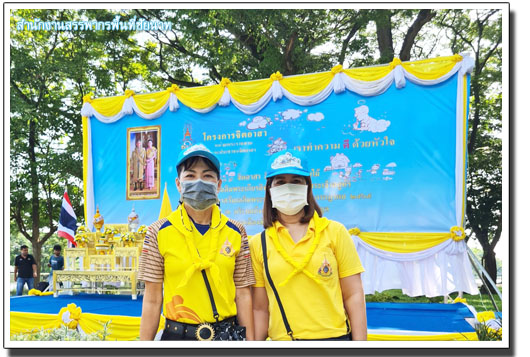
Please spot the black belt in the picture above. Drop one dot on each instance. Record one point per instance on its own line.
(202, 332)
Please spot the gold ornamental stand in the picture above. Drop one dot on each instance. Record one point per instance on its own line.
(89, 266)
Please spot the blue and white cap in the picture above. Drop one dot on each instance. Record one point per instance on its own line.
(198, 150)
(287, 162)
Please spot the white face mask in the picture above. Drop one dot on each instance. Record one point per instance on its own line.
(289, 198)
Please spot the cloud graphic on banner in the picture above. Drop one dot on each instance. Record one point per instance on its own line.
(339, 161)
(258, 122)
(315, 117)
(276, 145)
(243, 123)
(291, 114)
(367, 123)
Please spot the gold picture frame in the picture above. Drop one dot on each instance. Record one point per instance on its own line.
(143, 163)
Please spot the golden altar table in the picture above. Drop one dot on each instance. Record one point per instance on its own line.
(94, 277)
(86, 264)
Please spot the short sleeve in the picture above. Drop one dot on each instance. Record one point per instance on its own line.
(243, 273)
(151, 264)
(257, 260)
(346, 254)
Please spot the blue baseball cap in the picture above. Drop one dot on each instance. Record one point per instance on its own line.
(287, 162)
(198, 150)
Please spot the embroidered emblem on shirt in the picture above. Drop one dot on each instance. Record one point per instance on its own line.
(227, 250)
(176, 310)
(325, 268)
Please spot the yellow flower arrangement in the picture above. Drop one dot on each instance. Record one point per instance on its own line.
(142, 229)
(127, 239)
(485, 316)
(81, 240)
(70, 315)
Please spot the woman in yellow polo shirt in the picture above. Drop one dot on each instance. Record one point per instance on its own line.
(196, 262)
(309, 287)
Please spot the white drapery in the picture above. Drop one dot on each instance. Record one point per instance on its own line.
(437, 271)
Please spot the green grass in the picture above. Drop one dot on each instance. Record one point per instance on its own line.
(479, 302)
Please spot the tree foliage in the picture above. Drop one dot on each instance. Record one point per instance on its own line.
(51, 71)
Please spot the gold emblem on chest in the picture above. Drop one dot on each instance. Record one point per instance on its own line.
(325, 268)
(227, 250)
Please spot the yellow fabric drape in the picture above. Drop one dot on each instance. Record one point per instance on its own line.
(150, 103)
(86, 155)
(432, 68)
(368, 74)
(307, 84)
(121, 328)
(109, 106)
(25, 321)
(201, 97)
(250, 92)
(405, 242)
(464, 145)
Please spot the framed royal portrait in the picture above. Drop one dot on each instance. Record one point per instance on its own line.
(143, 163)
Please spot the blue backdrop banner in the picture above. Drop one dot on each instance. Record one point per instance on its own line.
(385, 163)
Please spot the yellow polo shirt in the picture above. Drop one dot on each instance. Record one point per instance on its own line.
(314, 310)
(174, 253)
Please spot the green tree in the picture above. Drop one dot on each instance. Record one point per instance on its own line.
(51, 71)
(479, 32)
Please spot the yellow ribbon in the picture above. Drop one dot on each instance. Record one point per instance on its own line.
(225, 82)
(457, 58)
(276, 76)
(337, 69)
(173, 89)
(457, 233)
(70, 315)
(456, 300)
(88, 98)
(395, 62)
(299, 267)
(485, 316)
(129, 93)
(203, 263)
(354, 231)
(36, 292)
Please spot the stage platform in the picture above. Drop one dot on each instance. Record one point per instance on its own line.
(386, 321)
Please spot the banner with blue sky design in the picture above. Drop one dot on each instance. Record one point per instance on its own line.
(384, 163)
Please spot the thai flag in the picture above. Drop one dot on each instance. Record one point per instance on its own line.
(67, 221)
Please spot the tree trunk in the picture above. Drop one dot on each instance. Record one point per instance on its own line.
(490, 264)
(384, 36)
(37, 254)
(288, 54)
(34, 179)
(424, 16)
